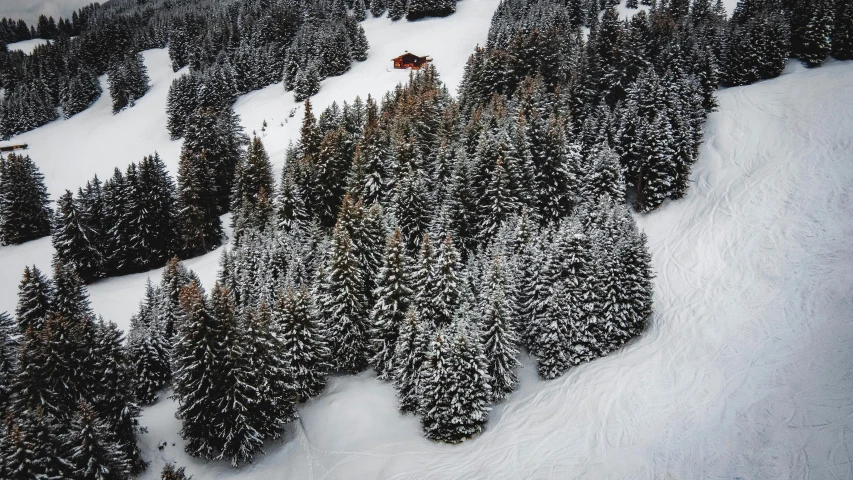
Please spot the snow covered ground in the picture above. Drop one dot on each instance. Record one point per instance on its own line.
(26, 46)
(745, 371)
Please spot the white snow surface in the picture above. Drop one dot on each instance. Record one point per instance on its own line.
(744, 371)
(26, 46)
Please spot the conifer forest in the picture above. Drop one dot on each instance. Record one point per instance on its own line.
(433, 236)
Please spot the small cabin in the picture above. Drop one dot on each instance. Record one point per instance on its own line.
(410, 60)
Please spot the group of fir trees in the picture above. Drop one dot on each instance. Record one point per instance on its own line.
(248, 46)
(128, 81)
(135, 221)
(68, 404)
(24, 204)
(129, 223)
(431, 247)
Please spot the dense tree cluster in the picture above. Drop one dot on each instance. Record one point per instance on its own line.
(65, 375)
(353, 262)
(24, 204)
(233, 47)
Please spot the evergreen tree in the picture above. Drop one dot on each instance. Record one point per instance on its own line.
(418, 9)
(197, 374)
(842, 32)
(34, 297)
(307, 82)
(70, 298)
(500, 340)
(74, 240)
(128, 81)
(8, 358)
(253, 179)
(236, 416)
(24, 203)
(397, 9)
(148, 348)
(377, 8)
(199, 220)
(455, 384)
(393, 296)
(342, 304)
(409, 356)
(304, 344)
(83, 89)
(171, 473)
(811, 41)
(92, 449)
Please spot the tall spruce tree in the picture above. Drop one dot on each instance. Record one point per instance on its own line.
(35, 292)
(342, 304)
(455, 384)
(304, 344)
(24, 203)
(393, 296)
(199, 215)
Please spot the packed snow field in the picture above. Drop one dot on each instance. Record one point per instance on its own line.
(744, 371)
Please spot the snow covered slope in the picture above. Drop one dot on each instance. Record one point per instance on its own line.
(69, 152)
(26, 46)
(745, 371)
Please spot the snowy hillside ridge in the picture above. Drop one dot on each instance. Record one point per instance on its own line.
(771, 183)
(27, 46)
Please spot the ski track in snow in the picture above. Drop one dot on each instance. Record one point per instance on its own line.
(744, 371)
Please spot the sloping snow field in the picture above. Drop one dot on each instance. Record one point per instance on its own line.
(26, 46)
(744, 372)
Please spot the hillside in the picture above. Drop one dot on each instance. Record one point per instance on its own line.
(69, 152)
(743, 372)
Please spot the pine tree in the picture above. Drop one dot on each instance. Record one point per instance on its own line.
(304, 344)
(34, 297)
(197, 374)
(377, 8)
(74, 240)
(171, 473)
(252, 177)
(500, 340)
(92, 449)
(8, 358)
(83, 89)
(237, 415)
(393, 296)
(455, 384)
(199, 220)
(842, 32)
(70, 297)
(342, 304)
(307, 82)
(35, 451)
(811, 43)
(128, 81)
(418, 9)
(148, 348)
(24, 211)
(409, 356)
(112, 391)
(269, 362)
(397, 9)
